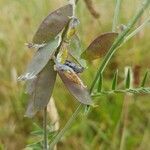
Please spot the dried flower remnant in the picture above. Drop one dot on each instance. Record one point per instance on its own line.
(74, 22)
(75, 67)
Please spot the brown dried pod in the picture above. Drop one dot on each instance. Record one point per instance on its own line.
(100, 46)
(40, 89)
(40, 59)
(53, 24)
(74, 84)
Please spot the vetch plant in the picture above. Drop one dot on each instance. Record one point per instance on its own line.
(53, 41)
(51, 59)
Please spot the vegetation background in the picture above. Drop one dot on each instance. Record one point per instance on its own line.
(119, 121)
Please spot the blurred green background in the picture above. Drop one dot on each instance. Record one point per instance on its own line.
(120, 122)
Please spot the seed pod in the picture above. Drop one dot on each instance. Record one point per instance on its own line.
(74, 84)
(100, 46)
(53, 24)
(40, 89)
(40, 59)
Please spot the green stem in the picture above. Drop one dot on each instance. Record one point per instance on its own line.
(45, 128)
(100, 70)
(116, 15)
(136, 30)
(68, 124)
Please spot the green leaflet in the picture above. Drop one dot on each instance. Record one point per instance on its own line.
(100, 46)
(115, 80)
(40, 59)
(53, 24)
(41, 89)
(100, 83)
(128, 79)
(144, 79)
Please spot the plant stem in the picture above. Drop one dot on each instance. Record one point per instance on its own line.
(61, 133)
(116, 15)
(100, 70)
(136, 30)
(125, 113)
(45, 128)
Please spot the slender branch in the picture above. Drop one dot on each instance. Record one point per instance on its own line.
(137, 30)
(100, 70)
(45, 128)
(140, 90)
(125, 113)
(116, 14)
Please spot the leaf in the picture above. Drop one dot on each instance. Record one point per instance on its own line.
(100, 83)
(74, 84)
(41, 89)
(128, 79)
(100, 46)
(40, 59)
(144, 79)
(33, 146)
(53, 24)
(115, 79)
